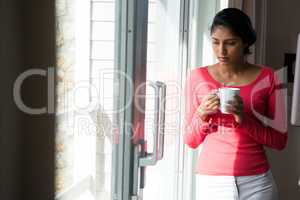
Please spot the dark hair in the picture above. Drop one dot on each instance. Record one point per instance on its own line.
(238, 22)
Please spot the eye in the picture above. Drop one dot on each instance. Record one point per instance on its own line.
(231, 43)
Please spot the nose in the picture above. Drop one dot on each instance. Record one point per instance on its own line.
(222, 49)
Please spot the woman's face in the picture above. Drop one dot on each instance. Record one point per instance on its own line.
(227, 47)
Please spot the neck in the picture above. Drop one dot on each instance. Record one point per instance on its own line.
(232, 68)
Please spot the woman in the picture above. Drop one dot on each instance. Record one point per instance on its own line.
(232, 164)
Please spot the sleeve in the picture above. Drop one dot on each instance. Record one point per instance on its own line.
(272, 133)
(195, 129)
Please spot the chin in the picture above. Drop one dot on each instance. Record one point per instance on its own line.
(224, 63)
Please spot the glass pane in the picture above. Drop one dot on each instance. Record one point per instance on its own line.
(86, 100)
(163, 65)
(103, 31)
(103, 10)
(103, 50)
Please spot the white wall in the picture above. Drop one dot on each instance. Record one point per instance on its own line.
(282, 28)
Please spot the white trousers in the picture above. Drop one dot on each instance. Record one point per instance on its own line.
(256, 187)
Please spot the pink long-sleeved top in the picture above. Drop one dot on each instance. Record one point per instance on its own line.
(230, 148)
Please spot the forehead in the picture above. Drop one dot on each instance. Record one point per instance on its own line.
(223, 33)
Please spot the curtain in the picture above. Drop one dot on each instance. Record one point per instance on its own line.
(201, 16)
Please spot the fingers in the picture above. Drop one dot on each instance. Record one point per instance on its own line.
(213, 105)
(209, 97)
(236, 106)
(237, 102)
(211, 102)
(237, 110)
(238, 113)
(209, 105)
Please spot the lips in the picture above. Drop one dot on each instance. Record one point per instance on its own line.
(223, 59)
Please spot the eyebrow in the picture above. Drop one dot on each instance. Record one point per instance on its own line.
(229, 39)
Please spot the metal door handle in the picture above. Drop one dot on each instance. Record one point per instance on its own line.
(159, 121)
(162, 109)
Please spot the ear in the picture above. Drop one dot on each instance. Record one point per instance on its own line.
(245, 46)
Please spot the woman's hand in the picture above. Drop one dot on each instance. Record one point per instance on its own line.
(236, 107)
(209, 105)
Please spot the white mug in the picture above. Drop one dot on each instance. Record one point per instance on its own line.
(226, 94)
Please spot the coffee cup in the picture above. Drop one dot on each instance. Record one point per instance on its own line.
(225, 95)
